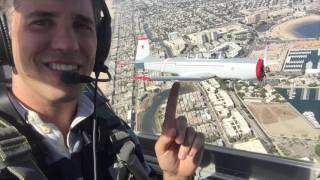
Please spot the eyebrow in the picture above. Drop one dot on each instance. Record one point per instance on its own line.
(41, 14)
(85, 19)
(46, 14)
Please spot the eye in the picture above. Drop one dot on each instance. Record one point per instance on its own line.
(82, 26)
(42, 23)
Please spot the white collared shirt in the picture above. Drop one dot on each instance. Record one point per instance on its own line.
(53, 137)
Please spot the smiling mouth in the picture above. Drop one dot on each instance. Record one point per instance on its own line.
(62, 67)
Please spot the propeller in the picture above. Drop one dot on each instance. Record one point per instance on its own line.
(265, 58)
(265, 69)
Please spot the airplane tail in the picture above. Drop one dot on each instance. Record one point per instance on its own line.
(143, 48)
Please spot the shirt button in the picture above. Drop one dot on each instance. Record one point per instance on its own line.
(45, 129)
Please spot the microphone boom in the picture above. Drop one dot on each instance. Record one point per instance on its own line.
(76, 78)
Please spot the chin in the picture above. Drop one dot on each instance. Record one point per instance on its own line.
(65, 94)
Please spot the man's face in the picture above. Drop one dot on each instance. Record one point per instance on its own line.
(49, 37)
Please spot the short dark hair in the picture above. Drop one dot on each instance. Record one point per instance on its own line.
(6, 5)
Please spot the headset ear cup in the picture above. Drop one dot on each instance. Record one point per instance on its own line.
(5, 42)
(103, 39)
(101, 53)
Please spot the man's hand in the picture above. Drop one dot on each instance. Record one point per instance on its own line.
(179, 147)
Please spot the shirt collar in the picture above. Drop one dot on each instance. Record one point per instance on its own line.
(53, 137)
(85, 108)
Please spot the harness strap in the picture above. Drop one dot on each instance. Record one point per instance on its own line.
(13, 146)
(15, 154)
(129, 159)
(12, 117)
(123, 143)
(125, 148)
(15, 151)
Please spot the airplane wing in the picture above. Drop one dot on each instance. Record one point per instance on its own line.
(181, 77)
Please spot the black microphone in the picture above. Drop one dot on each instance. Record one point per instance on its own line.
(76, 78)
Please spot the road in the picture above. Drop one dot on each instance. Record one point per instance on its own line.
(213, 113)
(116, 28)
(258, 131)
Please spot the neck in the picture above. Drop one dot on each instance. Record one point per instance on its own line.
(59, 112)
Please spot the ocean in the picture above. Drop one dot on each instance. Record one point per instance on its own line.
(308, 29)
(304, 100)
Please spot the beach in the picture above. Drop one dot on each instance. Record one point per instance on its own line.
(284, 31)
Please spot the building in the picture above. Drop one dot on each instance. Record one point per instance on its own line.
(214, 35)
(252, 19)
(176, 45)
(196, 38)
(281, 12)
(263, 14)
(236, 126)
(233, 49)
(299, 14)
(226, 98)
(174, 35)
(311, 69)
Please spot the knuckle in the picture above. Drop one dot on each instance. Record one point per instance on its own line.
(191, 130)
(182, 119)
(194, 150)
(181, 122)
(189, 137)
(201, 136)
(199, 140)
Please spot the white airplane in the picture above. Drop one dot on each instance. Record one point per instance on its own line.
(185, 69)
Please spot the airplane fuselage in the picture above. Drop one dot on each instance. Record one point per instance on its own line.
(239, 68)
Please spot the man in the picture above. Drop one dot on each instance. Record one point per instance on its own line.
(49, 37)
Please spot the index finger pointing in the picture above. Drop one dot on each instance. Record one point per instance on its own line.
(170, 115)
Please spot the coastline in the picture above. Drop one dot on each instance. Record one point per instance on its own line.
(284, 30)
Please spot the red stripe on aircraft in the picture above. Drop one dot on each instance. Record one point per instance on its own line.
(142, 78)
(142, 37)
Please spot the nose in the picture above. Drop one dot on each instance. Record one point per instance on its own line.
(65, 39)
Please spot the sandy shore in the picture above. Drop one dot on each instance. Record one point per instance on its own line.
(284, 30)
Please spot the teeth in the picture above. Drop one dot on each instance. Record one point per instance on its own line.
(63, 67)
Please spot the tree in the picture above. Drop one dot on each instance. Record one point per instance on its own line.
(317, 149)
(313, 85)
(241, 95)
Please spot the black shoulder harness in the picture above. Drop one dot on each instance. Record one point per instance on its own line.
(116, 142)
(17, 131)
